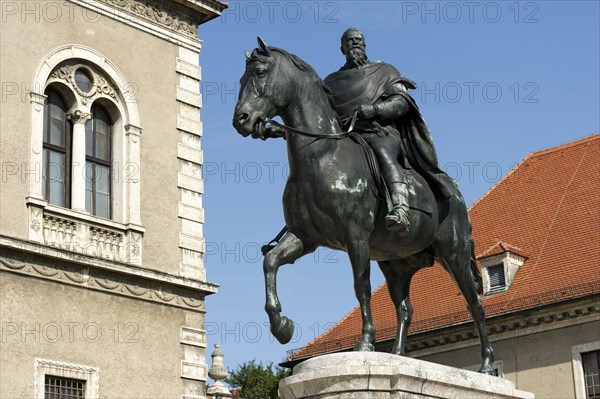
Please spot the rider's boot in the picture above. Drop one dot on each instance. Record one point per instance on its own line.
(397, 219)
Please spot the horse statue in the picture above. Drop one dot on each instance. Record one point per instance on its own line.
(331, 200)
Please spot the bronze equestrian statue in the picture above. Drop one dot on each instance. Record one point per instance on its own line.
(343, 208)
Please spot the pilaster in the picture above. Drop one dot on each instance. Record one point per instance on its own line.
(189, 154)
(194, 371)
(37, 101)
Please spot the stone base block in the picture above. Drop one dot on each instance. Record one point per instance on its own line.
(375, 375)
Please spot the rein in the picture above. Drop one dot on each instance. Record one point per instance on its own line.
(268, 121)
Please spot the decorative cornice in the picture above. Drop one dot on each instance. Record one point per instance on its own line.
(212, 6)
(63, 365)
(85, 272)
(164, 15)
(502, 328)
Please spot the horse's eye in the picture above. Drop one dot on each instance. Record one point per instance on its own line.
(260, 72)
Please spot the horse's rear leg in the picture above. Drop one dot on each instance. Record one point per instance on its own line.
(398, 274)
(458, 262)
(358, 251)
(287, 251)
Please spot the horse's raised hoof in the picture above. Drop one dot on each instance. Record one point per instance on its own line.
(283, 331)
(364, 347)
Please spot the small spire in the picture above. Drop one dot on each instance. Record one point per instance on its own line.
(218, 372)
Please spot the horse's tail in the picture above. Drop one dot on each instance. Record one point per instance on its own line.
(474, 270)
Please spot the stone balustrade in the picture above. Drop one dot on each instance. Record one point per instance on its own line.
(85, 234)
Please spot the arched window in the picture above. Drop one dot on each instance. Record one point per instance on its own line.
(56, 151)
(85, 130)
(98, 161)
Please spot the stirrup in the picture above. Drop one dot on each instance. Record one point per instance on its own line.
(397, 220)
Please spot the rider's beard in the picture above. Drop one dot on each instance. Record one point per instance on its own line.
(356, 56)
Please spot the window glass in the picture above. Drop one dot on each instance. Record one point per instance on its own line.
(591, 371)
(89, 137)
(56, 166)
(102, 191)
(496, 274)
(57, 125)
(56, 178)
(102, 135)
(45, 154)
(98, 153)
(83, 80)
(55, 157)
(89, 185)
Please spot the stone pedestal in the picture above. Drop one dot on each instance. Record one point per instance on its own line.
(375, 375)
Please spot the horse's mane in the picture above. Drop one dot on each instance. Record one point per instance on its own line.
(303, 66)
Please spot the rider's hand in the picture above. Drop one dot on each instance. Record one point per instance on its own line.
(366, 112)
(274, 132)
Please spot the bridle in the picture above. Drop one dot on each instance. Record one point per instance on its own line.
(268, 121)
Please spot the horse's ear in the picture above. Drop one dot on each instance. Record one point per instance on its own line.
(263, 46)
(248, 55)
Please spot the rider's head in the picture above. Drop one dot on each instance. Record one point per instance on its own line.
(353, 47)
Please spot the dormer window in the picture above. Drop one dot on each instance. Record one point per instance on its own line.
(499, 265)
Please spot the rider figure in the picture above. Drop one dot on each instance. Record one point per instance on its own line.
(375, 90)
(390, 122)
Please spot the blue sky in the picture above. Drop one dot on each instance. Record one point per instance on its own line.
(497, 80)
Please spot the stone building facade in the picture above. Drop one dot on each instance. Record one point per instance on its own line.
(102, 281)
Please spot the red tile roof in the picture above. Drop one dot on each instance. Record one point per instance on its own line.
(547, 209)
(500, 248)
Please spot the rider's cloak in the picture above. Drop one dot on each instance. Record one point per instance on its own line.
(352, 87)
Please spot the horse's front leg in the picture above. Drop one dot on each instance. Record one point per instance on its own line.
(358, 251)
(287, 251)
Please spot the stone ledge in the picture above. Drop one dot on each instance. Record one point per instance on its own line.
(31, 259)
(190, 183)
(188, 125)
(189, 154)
(378, 375)
(189, 97)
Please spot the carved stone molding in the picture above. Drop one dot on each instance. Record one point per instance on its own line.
(100, 85)
(89, 276)
(38, 100)
(79, 116)
(158, 13)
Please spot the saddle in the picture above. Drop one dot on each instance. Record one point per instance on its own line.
(381, 189)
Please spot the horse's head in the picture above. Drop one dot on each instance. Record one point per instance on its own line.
(264, 91)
